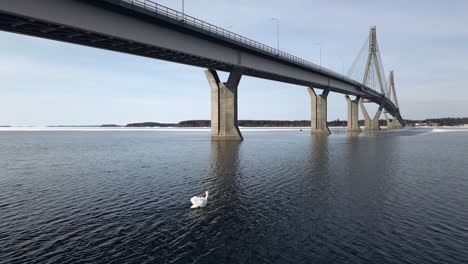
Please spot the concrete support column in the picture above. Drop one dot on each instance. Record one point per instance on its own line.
(353, 114)
(392, 124)
(371, 124)
(396, 124)
(224, 123)
(318, 121)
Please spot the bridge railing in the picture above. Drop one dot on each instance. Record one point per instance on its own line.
(220, 32)
(195, 22)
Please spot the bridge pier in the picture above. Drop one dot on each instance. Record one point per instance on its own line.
(392, 124)
(371, 124)
(318, 121)
(396, 124)
(389, 122)
(224, 122)
(353, 114)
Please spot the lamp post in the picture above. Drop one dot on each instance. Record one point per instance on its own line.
(277, 32)
(320, 49)
(342, 65)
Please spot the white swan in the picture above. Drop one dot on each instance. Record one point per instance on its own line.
(198, 201)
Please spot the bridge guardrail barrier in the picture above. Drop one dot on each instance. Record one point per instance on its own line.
(223, 33)
(195, 22)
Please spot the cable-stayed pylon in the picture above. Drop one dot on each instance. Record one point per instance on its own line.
(392, 89)
(368, 69)
(391, 94)
(373, 69)
(373, 77)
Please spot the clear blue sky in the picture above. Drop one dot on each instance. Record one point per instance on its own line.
(426, 42)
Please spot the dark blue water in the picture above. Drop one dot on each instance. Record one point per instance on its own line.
(278, 197)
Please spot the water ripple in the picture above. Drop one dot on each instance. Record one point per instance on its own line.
(283, 197)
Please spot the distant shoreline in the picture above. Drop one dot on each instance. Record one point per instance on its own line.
(196, 129)
(432, 122)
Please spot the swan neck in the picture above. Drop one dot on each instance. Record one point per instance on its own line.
(206, 196)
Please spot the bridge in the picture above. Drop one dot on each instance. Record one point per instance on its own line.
(145, 28)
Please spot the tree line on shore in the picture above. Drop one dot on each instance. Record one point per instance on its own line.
(449, 121)
(299, 123)
(244, 123)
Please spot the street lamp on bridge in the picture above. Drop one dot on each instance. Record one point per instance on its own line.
(277, 33)
(320, 56)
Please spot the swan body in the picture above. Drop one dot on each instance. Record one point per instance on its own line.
(198, 201)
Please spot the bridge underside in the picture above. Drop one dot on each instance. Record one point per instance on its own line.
(16, 24)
